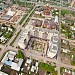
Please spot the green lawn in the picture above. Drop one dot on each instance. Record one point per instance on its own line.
(22, 19)
(47, 67)
(63, 12)
(9, 34)
(20, 54)
(29, 5)
(61, 70)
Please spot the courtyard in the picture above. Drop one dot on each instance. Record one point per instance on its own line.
(65, 58)
(37, 44)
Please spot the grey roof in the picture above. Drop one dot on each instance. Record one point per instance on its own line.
(6, 17)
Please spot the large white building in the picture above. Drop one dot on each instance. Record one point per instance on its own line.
(13, 65)
(51, 35)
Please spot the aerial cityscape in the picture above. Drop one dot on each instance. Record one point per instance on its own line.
(37, 37)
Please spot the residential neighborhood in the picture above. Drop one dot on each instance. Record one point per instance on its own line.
(37, 37)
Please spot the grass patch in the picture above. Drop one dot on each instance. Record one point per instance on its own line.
(63, 12)
(27, 20)
(15, 38)
(47, 67)
(22, 19)
(20, 54)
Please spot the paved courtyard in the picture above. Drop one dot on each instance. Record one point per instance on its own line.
(38, 45)
(65, 58)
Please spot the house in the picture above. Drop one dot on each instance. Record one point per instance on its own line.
(8, 15)
(65, 50)
(2, 73)
(3, 39)
(50, 24)
(56, 19)
(9, 29)
(34, 68)
(37, 13)
(72, 28)
(46, 10)
(37, 23)
(68, 72)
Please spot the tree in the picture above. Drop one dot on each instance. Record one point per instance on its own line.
(47, 67)
(20, 54)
